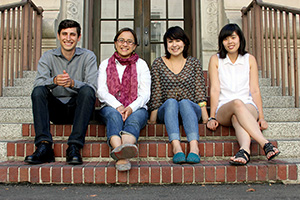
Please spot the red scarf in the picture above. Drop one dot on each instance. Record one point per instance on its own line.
(125, 92)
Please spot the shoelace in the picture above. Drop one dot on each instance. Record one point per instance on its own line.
(40, 150)
(73, 150)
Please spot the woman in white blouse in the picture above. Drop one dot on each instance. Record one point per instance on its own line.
(235, 96)
(124, 89)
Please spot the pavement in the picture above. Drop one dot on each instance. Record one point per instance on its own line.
(153, 192)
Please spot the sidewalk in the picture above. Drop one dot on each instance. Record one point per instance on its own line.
(153, 192)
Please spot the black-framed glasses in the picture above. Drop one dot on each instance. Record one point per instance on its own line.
(122, 41)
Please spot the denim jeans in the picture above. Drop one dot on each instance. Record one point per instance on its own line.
(77, 111)
(190, 113)
(115, 125)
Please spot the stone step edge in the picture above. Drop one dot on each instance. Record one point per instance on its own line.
(153, 172)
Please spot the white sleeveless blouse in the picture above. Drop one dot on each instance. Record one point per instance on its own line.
(234, 80)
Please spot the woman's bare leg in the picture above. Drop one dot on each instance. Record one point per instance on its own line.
(243, 139)
(246, 116)
(194, 147)
(176, 146)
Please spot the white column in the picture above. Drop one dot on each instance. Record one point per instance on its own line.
(212, 19)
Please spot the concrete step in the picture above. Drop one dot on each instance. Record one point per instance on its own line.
(150, 172)
(24, 115)
(29, 74)
(282, 114)
(282, 130)
(10, 131)
(289, 148)
(270, 91)
(278, 101)
(17, 91)
(264, 82)
(25, 101)
(27, 89)
(268, 102)
(16, 115)
(24, 82)
(15, 102)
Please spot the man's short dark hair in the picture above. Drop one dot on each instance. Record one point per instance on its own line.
(226, 31)
(174, 33)
(68, 23)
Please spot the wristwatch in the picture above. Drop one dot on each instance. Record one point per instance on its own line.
(212, 118)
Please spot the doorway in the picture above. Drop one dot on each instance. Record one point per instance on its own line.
(149, 18)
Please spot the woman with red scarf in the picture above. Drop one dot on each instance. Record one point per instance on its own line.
(124, 89)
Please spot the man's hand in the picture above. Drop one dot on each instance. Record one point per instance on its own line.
(64, 80)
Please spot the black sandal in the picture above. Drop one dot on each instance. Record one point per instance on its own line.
(241, 154)
(270, 148)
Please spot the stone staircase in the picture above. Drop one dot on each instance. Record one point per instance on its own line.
(154, 162)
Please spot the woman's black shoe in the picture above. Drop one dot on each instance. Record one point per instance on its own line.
(44, 153)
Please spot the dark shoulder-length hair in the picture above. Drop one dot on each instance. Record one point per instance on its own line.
(226, 31)
(124, 30)
(174, 33)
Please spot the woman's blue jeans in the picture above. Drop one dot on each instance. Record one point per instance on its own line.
(190, 114)
(115, 125)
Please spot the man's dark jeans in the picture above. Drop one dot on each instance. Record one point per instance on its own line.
(77, 111)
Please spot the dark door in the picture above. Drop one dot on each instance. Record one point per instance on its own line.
(149, 18)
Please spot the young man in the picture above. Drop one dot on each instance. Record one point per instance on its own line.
(64, 93)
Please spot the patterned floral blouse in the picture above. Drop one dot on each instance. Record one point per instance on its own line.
(189, 83)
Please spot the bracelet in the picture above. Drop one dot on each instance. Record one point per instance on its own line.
(212, 118)
(72, 83)
(202, 104)
(54, 80)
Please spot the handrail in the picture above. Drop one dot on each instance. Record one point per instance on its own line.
(20, 40)
(21, 3)
(271, 5)
(264, 24)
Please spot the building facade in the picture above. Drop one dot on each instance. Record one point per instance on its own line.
(101, 19)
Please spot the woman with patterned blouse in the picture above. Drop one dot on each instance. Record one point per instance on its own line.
(178, 92)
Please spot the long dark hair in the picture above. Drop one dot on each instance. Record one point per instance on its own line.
(226, 31)
(174, 33)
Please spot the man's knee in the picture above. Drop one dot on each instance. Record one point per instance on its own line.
(86, 92)
(39, 91)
